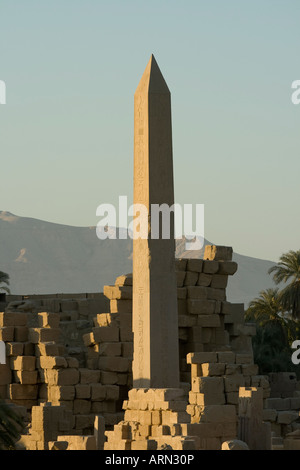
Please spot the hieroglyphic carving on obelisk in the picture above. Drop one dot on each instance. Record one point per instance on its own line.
(155, 321)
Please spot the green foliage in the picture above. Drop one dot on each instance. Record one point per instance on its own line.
(288, 269)
(4, 282)
(11, 425)
(276, 314)
(271, 351)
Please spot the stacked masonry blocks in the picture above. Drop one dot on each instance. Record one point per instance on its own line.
(152, 420)
(46, 424)
(216, 378)
(207, 324)
(19, 376)
(110, 346)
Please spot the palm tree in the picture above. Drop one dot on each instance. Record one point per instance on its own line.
(287, 269)
(4, 279)
(11, 426)
(275, 332)
(266, 308)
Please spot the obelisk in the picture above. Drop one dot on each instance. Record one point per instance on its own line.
(155, 321)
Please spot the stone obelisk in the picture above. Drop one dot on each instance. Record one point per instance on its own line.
(155, 321)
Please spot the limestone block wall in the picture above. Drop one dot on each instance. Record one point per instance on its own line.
(77, 351)
(57, 340)
(281, 409)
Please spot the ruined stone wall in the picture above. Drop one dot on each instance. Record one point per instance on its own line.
(76, 352)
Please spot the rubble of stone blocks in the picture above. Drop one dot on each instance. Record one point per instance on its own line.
(37, 372)
(52, 358)
(76, 312)
(152, 420)
(216, 378)
(281, 409)
(252, 429)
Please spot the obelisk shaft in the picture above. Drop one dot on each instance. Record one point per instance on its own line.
(155, 320)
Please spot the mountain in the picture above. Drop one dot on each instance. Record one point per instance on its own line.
(46, 258)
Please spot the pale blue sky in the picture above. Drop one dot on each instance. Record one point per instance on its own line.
(66, 132)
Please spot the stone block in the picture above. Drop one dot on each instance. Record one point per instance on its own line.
(210, 267)
(38, 335)
(27, 377)
(295, 403)
(201, 306)
(110, 349)
(7, 333)
(14, 349)
(98, 392)
(48, 320)
(211, 387)
(68, 305)
(213, 369)
(13, 319)
(195, 265)
(250, 369)
(234, 382)
(99, 430)
(23, 363)
(186, 321)
(227, 267)
(209, 321)
(61, 393)
(234, 444)
(53, 362)
(202, 357)
(20, 333)
(215, 294)
(47, 349)
(180, 264)
(22, 392)
(214, 252)
(114, 364)
(82, 407)
(118, 292)
(106, 334)
(62, 376)
(244, 358)
(197, 292)
(124, 280)
(181, 293)
(287, 417)
(232, 398)
(190, 279)
(5, 375)
(204, 279)
(89, 376)
(121, 306)
(148, 444)
(270, 415)
(218, 414)
(110, 378)
(219, 281)
(226, 357)
(127, 349)
(79, 442)
(180, 277)
(232, 369)
(83, 391)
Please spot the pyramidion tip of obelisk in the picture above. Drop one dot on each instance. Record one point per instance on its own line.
(152, 80)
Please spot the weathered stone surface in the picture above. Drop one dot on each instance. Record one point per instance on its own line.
(213, 252)
(234, 444)
(156, 357)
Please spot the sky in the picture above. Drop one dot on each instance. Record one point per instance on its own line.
(66, 131)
